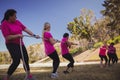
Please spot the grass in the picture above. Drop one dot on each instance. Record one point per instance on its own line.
(82, 72)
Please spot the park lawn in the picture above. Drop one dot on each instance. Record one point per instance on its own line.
(82, 72)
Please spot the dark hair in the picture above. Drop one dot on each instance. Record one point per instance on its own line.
(8, 13)
(65, 35)
(112, 43)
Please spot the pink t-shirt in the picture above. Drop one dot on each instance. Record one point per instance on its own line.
(64, 47)
(111, 49)
(12, 29)
(102, 51)
(49, 48)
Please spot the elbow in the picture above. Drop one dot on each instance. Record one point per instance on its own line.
(53, 42)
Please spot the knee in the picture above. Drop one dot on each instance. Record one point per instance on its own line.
(56, 60)
(16, 62)
(73, 61)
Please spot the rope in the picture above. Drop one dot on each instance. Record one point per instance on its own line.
(21, 49)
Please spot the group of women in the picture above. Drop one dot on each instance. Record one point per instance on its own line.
(109, 51)
(12, 31)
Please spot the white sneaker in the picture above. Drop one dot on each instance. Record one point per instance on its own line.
(54, 75)
(57, 74)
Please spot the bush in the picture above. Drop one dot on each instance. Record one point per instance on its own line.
(76, 50)
(110, 41)
(98, 44)
(115, 40)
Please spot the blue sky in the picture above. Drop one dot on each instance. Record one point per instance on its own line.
(34, 13)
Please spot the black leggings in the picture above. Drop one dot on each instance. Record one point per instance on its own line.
(56, 61)
(69, 58)
(104, 57)
(112, 57)
(14, 50)
(116, 58)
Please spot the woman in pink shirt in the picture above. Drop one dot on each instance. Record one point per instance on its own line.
(12, 32)
(102, 55)
(50, 51)
(112, 54)
(65, 45)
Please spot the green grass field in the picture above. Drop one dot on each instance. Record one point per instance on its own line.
(82, 72)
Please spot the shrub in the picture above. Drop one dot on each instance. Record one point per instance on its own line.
(116, 39)
(76, 50)
(98, 44)
(110, 41)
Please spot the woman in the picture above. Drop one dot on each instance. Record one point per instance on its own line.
(102, 55)
(112, 54)
(65, 45)
(12, 32)
(50, 50)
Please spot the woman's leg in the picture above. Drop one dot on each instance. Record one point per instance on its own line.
(101, 61)
(56, 61)
(15, 54)
(106, 60)
(116, 58)
(113, 58)
(70, 59)
(110, 58)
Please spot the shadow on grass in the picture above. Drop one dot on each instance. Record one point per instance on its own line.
(82, 72)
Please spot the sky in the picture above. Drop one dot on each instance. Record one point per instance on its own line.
(34, 13)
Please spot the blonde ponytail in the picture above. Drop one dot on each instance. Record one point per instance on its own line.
(44, 29)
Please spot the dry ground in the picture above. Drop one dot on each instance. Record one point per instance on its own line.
(82, 72)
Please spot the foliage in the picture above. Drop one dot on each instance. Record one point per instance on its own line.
(81, 27)
(114, 40)
(76, 50)
(98, 44)
(112, 10)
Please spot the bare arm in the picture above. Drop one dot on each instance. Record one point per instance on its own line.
(70, 44)
(31, 33)
(28, 31)
(52, 41)
(73, 43)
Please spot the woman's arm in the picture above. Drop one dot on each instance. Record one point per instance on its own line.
(73, 43)
(11, 37)
(31, 33)
(53, 41)
(70, 44)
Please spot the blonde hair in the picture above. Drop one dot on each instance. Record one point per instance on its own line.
(45, 29)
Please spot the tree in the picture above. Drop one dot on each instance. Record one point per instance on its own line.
(81, 27)
(112, 10)
(101, 30)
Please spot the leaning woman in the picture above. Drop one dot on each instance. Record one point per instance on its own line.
(50, 51)
(12, 32)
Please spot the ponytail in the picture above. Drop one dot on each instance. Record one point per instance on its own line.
(44, 29)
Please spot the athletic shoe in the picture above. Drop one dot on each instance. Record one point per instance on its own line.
(30, 77)
(65, 72)
(54, 75)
